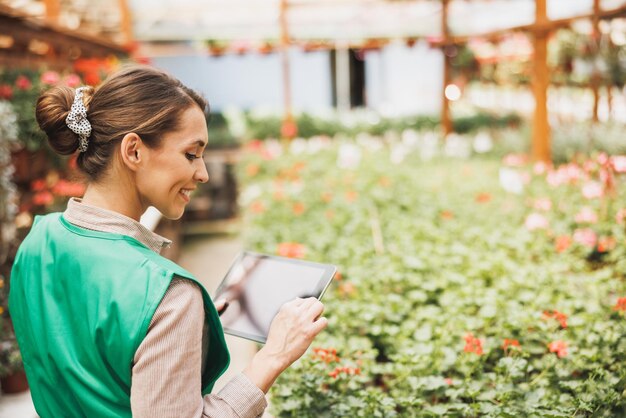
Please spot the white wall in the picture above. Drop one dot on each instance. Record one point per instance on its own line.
(255, 80)
(401, 80)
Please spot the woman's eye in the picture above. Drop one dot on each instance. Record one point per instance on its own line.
(191, 156)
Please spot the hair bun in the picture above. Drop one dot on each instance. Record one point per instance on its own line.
(52, 109)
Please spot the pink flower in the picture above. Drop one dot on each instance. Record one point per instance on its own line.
(544, 204)
(72, 80)
(592, 190)
(586, 237)
(515, 160)
(50, 77)
(619, 163)
(540, 168)
(23, 83)
(559, 347)
(291, 250)
(586, 215)
(536, 221)
(620, 216)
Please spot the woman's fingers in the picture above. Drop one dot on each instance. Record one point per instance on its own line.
(314, 309)
(319, 325)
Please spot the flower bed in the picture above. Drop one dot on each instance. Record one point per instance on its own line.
(455, 297)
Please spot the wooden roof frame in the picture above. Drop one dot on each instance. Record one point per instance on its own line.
(64, 45)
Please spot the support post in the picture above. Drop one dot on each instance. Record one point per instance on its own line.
(540, 82)
(126, 23)
(289, 129)
(595, 76)
(53, 9)
(446, 122)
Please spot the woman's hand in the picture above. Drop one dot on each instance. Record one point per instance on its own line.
(293, 329)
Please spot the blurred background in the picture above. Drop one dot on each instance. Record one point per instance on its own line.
(539, 79)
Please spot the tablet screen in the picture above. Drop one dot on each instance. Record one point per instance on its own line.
(257, 285)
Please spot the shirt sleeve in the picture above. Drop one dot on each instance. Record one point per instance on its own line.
(166, 374)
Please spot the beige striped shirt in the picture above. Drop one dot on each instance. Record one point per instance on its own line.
(167, 368)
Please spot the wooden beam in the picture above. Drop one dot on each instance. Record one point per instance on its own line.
(540, 82)
(446, 122)
(548, 25)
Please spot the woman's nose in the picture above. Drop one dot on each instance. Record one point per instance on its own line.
(202, 175)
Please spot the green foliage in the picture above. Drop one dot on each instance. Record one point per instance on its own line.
(220, 135)
(431, 252)
(268, 126)
(23, 100)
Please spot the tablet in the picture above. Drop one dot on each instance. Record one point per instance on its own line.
(257, 285)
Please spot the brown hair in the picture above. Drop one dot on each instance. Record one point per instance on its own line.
(138, 99)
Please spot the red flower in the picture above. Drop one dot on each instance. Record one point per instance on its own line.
(446, 215)
(606, 244)
(509, 343)
(257, 207)
(559, 347)
(448, 381)
(67, 188)
(351, 196)
(347, 289)
(298, 208)
(384, 181)
(562, 243)
(483, 197)
(291, 250)
(559, 316)
(23, 83)
(43, 198)
(620, 305)
(6, 92)
(289, 129)
(252, 170)
(345, 370)
(473, 344)
(92, 78)
(38, 185)
(326, 355)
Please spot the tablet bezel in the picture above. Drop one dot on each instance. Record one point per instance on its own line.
(322, 285)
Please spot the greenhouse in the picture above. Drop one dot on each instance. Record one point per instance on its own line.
(436, 188)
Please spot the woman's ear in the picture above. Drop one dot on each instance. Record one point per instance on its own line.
(131, 150)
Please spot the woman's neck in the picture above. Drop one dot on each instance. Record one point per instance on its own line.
(115, 197)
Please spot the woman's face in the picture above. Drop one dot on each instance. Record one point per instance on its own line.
(172, 171)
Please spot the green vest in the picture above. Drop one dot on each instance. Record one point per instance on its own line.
(81, 302)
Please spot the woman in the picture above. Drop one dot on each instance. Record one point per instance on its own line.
(108, 327)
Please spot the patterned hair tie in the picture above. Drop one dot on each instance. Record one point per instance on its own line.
(77, 120)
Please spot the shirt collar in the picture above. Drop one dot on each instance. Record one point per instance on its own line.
(103, 220)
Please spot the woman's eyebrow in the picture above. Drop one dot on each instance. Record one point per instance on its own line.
(200, 143)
